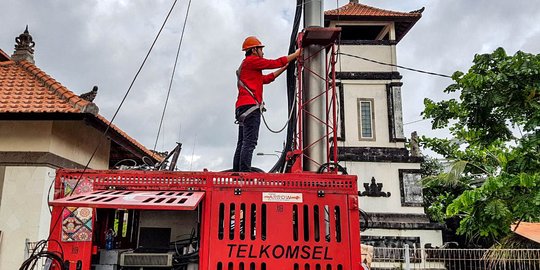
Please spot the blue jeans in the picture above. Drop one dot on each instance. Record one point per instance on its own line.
(248, 134)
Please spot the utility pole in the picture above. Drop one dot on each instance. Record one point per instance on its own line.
(314, 86)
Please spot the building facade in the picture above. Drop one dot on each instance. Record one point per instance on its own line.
(45, 126)
(372, 143)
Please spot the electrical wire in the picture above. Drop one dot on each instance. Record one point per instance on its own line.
(415, 121)
(281, 163)
(284, 126)
(39, 252)
(127, 159)
(55, 223)
(172, 75)
(393, 65)
(126, 94)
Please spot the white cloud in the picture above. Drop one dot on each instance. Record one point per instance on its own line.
(98, 42)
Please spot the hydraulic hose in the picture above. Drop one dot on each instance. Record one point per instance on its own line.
(281, 165)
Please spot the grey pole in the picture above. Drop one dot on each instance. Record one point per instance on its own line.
(313, 86)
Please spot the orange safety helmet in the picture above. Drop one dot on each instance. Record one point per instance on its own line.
(251, 42)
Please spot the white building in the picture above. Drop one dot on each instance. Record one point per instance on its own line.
(371, 139)
(45, 126)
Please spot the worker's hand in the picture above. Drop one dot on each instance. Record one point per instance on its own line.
(297, 53)
(293, 55)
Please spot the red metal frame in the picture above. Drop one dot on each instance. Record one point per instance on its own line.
(128, 199)
(325, 206)
(298, 220)
(325, 37)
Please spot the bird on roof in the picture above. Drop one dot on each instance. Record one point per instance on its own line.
(90, 96)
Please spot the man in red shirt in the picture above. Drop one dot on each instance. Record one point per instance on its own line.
(250, 98)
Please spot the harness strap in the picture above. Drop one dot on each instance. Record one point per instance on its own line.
(260, 106)
(242, 84)
(240, 118)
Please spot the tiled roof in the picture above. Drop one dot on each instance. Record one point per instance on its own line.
(404, 21)
(26, 89)
(356, 9)
(528, 230)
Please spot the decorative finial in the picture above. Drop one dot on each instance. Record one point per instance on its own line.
(415, 145)
(419, 11)
(354, 1)
(24, 47)
(90, 96)
(25, 42)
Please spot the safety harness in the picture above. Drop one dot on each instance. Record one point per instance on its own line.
(260, 106)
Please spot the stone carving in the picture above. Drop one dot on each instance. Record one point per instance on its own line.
(411, 188)
(415, 146)
(90, 96)
(374, 189)
(25, 42)
(24, 47)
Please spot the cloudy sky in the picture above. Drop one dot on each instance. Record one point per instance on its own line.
(103, 42)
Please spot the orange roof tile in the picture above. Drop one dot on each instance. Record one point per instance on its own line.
(528, 230)
(24, 88)
(404, 21)
(356, 9)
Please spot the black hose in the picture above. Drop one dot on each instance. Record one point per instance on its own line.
(365, 220)
(40, 252)
(332, 165)
(280, 165)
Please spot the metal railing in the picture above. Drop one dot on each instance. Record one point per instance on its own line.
(455, 259)
(29, 249)
(407, 258)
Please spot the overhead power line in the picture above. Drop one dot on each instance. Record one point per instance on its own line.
(117, 110)
(415, 121)
(172, 75)
(393, 65)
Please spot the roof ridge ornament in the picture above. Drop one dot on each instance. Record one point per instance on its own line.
(90, 96)
(418, 10)
(24, 47)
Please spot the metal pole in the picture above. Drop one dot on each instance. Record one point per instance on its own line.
(176, 151)
(407, 257)
(313, 86)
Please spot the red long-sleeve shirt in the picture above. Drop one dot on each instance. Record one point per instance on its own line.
(251, 75)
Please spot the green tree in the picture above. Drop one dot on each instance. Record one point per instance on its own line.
(496, 171)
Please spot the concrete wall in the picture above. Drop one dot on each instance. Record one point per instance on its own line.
(72, 140)
(25, 183)
(2, 174)
(25, 136)
(384, 54)
(23, 211)
(370, 81)
(376, 90)
(77, 141)
(386, 173)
